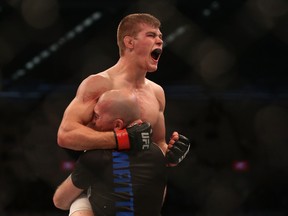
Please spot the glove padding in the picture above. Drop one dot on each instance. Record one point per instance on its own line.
(137, 137)
(178, 151)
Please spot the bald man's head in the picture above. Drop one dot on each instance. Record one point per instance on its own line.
(113, 105)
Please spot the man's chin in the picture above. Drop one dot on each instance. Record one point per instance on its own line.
(151, 70)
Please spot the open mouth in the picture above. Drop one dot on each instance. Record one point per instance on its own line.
(155, 54)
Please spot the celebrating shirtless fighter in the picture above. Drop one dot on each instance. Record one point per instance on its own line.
(140, 46)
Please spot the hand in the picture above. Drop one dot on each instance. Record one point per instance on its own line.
(178, 147)
(136, 137)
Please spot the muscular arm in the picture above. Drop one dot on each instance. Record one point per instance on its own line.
(159, 127)
(179, 145)
(73, 132)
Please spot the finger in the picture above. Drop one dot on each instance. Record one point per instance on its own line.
(171, 142)
(174, 136)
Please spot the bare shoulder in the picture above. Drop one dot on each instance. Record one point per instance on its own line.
(96, 78)
(94, 85)
(158, 89)
(158, 92)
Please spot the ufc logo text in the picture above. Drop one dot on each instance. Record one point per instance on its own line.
(146, 140)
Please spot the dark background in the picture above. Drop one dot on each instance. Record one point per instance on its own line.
(224, 70)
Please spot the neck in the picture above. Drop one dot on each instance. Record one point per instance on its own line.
(130, 72)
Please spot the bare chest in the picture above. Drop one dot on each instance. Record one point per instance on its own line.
(149, 106)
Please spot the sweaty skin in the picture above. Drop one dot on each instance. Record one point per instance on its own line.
(127, 74)
(115, 110)
(140, 47)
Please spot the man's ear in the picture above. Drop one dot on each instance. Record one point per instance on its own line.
(118, 124)
(129, 42)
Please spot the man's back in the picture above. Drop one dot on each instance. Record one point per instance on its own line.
(123, 182)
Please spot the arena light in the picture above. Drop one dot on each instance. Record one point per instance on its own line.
(171, 37)
(44, 54)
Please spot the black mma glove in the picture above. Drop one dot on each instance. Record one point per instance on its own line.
(178, 151)
(136, 137)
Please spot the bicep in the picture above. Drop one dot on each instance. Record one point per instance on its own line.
(81, 108)
(79, 111)
(159, 129)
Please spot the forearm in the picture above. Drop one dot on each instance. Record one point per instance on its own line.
(85, 138)
(136, 137)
